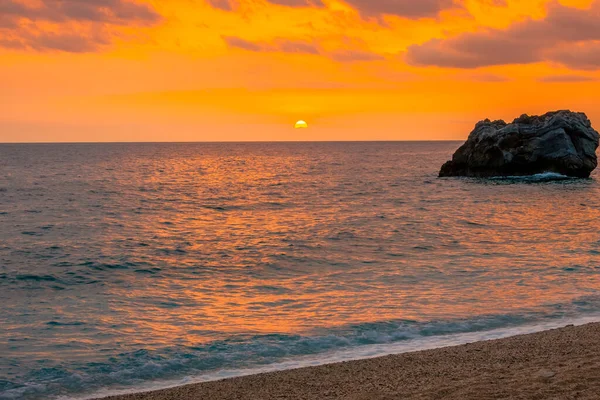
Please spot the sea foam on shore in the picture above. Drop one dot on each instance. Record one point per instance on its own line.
(354, 354)
(558, 363)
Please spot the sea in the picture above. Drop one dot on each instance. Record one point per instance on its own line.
(129, 267)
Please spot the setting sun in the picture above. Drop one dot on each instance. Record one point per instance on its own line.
(301, 125)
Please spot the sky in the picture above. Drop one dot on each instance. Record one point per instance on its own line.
(247, 70)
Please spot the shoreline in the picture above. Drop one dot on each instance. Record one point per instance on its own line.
(556, 363)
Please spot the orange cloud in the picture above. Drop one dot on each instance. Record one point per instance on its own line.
(404, 8)
(369, 8)
(524, 42)
(282, 45)
(68, 25)
(291, 46)
(584, 55)
(230, 5)
(566, 78)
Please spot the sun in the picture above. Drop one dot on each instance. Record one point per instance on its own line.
(301, 125)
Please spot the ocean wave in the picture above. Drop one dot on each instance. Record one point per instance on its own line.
(37, 278)
(269, 234)
(253, 353)
(543, 177)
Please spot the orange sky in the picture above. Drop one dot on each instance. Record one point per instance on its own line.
(245, 70)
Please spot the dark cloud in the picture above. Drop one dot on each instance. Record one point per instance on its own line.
(566, 78)
(230, 5)
(495, 3)
(233, 41)
(226, 5)
(47, 41)
(7, 22)
(297, 47)
(584, 56)
(473, 51)
(524, 42)
(12, 8)
(413, 9)
(291, 46)
(116, 12)
(297, 3)
(11, 43)
(68, 42)
(283, 45)
(21, 28)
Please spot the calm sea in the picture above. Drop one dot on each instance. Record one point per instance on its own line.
(129, 265)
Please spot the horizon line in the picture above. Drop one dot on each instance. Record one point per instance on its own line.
(243, 141)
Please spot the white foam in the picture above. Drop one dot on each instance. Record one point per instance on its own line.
(545, 176)
(357, 353)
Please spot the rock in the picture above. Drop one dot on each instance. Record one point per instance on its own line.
(545, 374)
(561, 142)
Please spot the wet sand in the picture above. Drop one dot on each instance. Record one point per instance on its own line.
(556, 364)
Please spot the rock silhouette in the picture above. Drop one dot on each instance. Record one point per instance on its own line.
(562, 142)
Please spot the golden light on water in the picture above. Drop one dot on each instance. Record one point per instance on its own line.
(301, 125)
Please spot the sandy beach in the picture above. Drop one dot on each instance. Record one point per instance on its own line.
(557, 364)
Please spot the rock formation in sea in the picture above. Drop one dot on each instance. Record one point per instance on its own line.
(562, 142)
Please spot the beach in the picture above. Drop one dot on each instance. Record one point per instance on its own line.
(557, 364)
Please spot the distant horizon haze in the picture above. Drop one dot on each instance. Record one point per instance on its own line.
(242, 142)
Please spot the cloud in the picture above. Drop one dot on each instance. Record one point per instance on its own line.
(226, 5)
(49, 25)
(65, 42)
(583, 56)
(297, 3)
(7, 22)
(492, 78)
(291, 46)
(524, 42)
(230, 5)
(117, 12)
(566, 78)
(282, 45)
(474, 51)
(297, 47)
(233, 41)
(413, 9)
